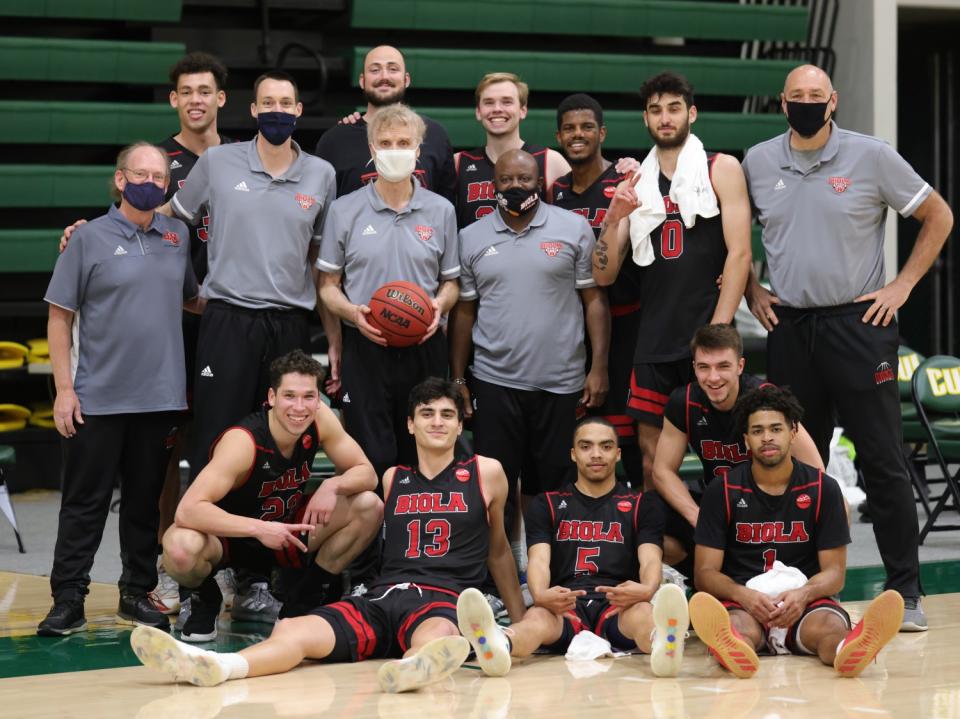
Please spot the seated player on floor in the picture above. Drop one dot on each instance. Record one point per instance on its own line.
(775, 508)
(443, 524)
(247, 508)
(594, 564)
(700, 415)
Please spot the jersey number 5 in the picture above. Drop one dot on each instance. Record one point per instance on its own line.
(585, 557)
(439, 538)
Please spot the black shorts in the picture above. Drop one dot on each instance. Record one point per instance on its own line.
(529, 432)
(191, 333)
(651, 385)
(593, 615)
(623, 339)
(677, 526)
(793, 641)
(380, 624)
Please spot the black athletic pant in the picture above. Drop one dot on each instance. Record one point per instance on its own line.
(833, 362)
(376, 387)
(530, 432)
(137, 448)
(234, 351)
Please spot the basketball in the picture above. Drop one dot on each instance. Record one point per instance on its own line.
(402, 311)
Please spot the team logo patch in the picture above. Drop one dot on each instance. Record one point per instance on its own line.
(171, 238)
(305, 201)
(424, 232)
(624, 506)
(884, 373)
(307, 441)
(609, 191)
(462, 474)
(839, 184)
(803, 501)
(551, 248)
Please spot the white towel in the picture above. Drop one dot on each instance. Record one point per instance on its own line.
(776, 580)
(690, 189)
(586, 646)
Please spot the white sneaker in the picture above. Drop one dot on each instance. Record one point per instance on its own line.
(478, 625)
(434, 661)
(671, 619)
(181, 662)
(497, 606)
(227, 581)
(166, 595)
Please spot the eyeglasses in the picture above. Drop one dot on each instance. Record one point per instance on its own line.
(141, 175)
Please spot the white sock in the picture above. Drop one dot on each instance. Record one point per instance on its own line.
(235, 665)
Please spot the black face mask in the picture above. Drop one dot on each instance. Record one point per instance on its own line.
(518, 201)
(806, 118)
(276, 127)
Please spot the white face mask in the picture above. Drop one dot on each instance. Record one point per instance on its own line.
(395, 165)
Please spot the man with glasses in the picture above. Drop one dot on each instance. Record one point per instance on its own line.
(128, 274)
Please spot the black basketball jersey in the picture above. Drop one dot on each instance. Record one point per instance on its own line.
(592, 203)
(594, 540)
(711, 433)
(678, 291)
(182, 161)
(273, 490)
(436, 531)
(755, 528)
(475, 187)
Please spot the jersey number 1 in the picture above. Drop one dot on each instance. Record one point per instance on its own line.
(769, 557)
(439, 539)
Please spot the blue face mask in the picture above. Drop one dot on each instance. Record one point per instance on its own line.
(276, 127)
(145, 196)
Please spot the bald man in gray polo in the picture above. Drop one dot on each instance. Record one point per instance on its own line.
(822, 194)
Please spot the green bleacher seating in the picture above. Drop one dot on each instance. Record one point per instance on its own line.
(84, 123)
(621, 18)
(566, 72)
(691, 469)
(55, 185)
(28, 250)
(625, 130)
(100, 61)
(140, 10)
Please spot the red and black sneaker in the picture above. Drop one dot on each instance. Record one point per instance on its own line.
(711, 621)
(881, 622)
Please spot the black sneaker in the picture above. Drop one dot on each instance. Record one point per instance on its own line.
(65, 617)
(205, 604)
(138, 609)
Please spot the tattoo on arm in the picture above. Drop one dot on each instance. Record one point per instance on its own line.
(600, 252)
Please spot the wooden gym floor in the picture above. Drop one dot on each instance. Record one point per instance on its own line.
(917, 675)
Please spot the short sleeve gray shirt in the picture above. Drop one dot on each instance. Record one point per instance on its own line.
(529, 327)
(823, 227)
(261, 227)
(371, 244)
(127, 287)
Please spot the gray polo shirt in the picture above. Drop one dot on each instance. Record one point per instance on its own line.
(529, 329)
(823, 227)
(370, 243)
(127, 288)
(261, 227)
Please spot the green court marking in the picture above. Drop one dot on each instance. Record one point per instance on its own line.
(109, 647)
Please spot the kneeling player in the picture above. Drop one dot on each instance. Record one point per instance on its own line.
(589, 544)
(443, 520)
(776, 508)
(247, 508)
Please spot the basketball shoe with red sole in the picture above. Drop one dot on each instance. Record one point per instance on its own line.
(881, 622)
(711, 621)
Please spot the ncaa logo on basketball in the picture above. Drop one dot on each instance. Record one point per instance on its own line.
(884, 373)
(839, 184)
(624, 505)
(804, 501)
(463, 475)
(307, 441)
(551, 248)
(305, 201)
(424, 232)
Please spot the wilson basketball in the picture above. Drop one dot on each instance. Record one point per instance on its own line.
(402, 311)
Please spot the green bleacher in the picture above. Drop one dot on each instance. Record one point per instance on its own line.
(83, 123)
(137, 10)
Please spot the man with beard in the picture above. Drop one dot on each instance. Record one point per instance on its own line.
(822, 194)
(679, 290)
(501, 105)
(587, 190)
(525, 289)
(384, 82)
